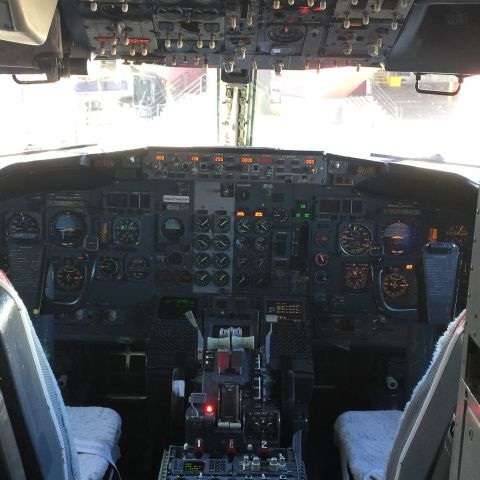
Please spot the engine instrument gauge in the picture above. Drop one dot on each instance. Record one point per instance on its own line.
(242, 280)
(242, 243)
(22, 226)
(221, 278)
(221, 261)
(172, 229)
(138, 268)
(260, 262)
(221, 242)
(399, 238)
(243, 225)
(222, 224)
(127, 231)
(260, 244)
(201, 260)
(355, 239)
(109, 267)
(69, 276)
(67, 229)
(458, 234)
(243, 261)
(280, 215)
(395, 284)
(201, 242)
(260, 280)
(355, 277)
(201, 278)
(262, 227)
(202, 223)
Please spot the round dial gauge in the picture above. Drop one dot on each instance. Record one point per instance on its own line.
(280, 215)
(262, 227)
(127, 231)
(222, 224)
(221, 242)
(243, 261)
(243, 225)
(109, 267)
(201, 242)
(398, 238)
(201, 278)
(172, 229)
(355, 239)
(321, 259)
(221, 278)
(260, 244)
(22, 226)
(202, 223)
(202, 260)
(458, 234)
(321, 277)
(242, 280)
(67, 229)
(260, 280)
(222, 261)
(69, 276)
(356, 276)
(260, 262)
(242, 243)
(395, 284)
(138, 268)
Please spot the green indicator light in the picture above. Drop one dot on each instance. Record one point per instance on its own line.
(298, 215)
(306, 215)
(303, 206)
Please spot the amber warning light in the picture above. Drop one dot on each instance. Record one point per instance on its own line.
(310, 161)
(193, 158)
(258, 214)
(240, 213)
(246, 160)
(218, 159)
(160, 158)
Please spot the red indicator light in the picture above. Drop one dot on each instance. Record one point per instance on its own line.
(209, 409)
(240, 213)
(246, 160)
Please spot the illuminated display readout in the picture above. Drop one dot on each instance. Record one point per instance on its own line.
(193, 467)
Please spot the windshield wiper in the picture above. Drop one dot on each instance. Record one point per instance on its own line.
(44, 150)
(436, 158)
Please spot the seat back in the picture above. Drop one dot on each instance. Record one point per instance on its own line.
(428, 415)
(32, 398)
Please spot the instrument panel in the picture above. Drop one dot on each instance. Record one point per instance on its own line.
(182, 224)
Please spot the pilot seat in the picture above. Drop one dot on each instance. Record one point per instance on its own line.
(394, 445)
(40, 437)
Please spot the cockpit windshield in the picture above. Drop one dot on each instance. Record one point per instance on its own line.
(345, 110)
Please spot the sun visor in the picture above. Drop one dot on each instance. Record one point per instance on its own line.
(26, 21)
(439, 36)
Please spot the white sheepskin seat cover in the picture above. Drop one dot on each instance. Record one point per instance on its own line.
(99, 425)
(365, 440)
